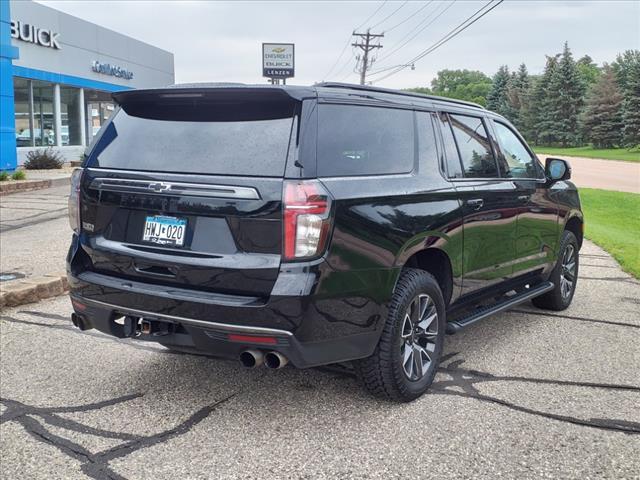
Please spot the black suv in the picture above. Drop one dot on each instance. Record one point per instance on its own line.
(315, 225)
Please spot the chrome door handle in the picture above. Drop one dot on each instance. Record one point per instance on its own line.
(475, 203)
(524, 198)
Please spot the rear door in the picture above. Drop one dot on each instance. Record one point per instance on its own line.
(185, 189)
(490, 205)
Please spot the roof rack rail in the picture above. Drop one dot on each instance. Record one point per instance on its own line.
(367, 88)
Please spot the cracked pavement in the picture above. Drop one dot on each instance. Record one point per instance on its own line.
(524, 394)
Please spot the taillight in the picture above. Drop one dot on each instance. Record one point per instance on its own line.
(307, 220)
(74, 200)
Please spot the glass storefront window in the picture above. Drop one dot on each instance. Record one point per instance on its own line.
(43, 116)
(35, 115)
(24, 127)
(100, 107)
(70, 128)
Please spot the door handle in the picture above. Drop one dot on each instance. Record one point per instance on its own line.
(524, 198)
(475, 203)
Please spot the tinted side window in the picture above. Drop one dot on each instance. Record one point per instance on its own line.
(474, 147)
(427, 150)
(454, 167)
(359, 140)
(519, 163)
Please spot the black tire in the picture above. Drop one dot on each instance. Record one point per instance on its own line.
(383, 373)
(555, 299)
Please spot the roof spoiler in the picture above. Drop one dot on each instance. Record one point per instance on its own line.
(206, 104)
(231, 93)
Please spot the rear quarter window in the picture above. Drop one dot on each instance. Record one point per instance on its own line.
(363, 140)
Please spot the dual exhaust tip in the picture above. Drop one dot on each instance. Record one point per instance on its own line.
(256, 358)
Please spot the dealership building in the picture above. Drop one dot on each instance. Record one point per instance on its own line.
(57, 73)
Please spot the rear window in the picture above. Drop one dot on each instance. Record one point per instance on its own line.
(360, 140)
(224, 146)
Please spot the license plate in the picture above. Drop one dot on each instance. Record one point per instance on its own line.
(165, 230)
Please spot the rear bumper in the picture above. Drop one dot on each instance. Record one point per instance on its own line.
(324, 322)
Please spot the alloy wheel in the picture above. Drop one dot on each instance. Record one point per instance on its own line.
(419, 334)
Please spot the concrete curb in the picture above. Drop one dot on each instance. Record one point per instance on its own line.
(19, 292)
(15, 186)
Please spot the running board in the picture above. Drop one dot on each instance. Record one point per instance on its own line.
(483, 312)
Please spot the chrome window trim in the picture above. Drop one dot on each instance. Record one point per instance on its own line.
(153, 187)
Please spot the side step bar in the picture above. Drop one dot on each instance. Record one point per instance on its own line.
(483, 312)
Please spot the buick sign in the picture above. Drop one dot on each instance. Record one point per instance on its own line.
(113, 70)
(32, 34)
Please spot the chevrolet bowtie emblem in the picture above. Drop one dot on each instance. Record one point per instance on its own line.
(159, 186)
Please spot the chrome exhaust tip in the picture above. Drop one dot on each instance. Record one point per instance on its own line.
(275, 360)
(251, 358)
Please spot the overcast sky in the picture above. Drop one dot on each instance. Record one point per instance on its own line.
(221, 41)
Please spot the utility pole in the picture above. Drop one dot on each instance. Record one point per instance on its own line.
(366, 47)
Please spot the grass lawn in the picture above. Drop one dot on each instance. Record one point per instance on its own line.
(612, 220)
(623, 154)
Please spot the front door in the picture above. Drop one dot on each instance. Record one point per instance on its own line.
(537, 226)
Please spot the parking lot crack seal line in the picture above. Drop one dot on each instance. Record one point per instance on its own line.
(12, 228)
(466, 381)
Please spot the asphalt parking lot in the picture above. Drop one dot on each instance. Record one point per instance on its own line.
(526, 394)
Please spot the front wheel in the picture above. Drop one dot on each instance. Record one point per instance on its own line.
(564, 276)
(406, 358)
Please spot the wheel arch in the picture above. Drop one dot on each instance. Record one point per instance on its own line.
(437, 263)
(575, 224)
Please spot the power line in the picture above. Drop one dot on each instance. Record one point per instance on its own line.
(389, 16)
(409, 17)
(349, 39)
(402, 43)
(453, 33)
(370, 16)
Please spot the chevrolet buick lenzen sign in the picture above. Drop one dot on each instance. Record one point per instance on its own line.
(278, 60)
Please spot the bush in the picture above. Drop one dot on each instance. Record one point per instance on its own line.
(43, 159)
(4, 176)
(19, 175)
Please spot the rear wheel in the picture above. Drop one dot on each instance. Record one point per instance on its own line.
(405, 361)
(564, 276)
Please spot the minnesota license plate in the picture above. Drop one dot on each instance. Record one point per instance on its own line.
(165, 230)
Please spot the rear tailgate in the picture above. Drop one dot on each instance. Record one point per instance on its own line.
(186, 191)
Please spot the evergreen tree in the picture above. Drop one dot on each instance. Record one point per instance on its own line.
(565, 99)
(538, 120)
(517, 90)
(602, 117)
(497, 100)
(631, 108)
(627, 70)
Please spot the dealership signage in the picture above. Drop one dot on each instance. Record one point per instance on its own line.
(32, 34)
(278, 60)
(113, 70)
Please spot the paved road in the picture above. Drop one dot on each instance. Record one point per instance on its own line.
(605, 174)
(526, 394)
(34, 231)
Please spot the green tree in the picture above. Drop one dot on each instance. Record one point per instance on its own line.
(565, 97)
(497, 100)
(602, 116)
(627, 71)
(469, 85)
(589, 71)
(538, 124)
(517, 95)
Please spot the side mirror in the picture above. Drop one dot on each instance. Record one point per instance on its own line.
(557, 169)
